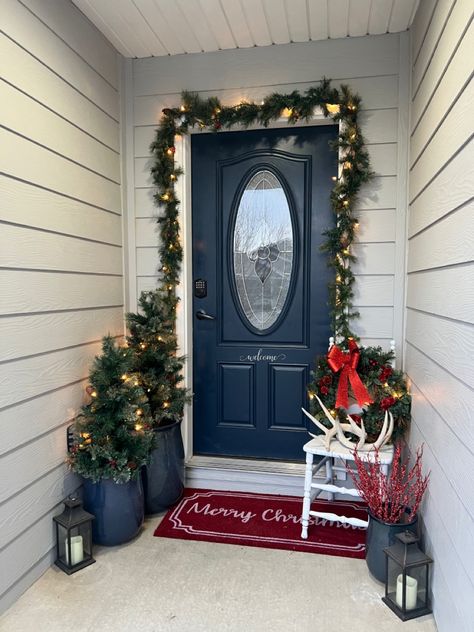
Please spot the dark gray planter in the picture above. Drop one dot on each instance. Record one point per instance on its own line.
(380, 535)
(163, 478)
(118, 509)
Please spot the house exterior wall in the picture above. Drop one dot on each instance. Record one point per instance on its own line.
(440, 295)
(370, 65)
(61, 285)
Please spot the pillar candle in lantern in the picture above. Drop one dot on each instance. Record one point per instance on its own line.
(77, 549)
(411, 592)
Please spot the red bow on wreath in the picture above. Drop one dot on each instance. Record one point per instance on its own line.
(347, 364)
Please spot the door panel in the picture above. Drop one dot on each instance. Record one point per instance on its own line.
(286, 393)
(292, 326)
(236, 378)
(260, 205)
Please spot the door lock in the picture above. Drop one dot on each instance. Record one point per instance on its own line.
(201, 315)
(200, 288)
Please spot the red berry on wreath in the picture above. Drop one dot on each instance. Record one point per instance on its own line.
(217, 125)
(113, 463)
(387, 402)
(327, 380)
(324, 390)
(385, 373)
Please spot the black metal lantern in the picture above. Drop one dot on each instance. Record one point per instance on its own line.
(73, 537)
(407, 588)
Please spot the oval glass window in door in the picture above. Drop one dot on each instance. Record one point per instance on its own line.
(263, 241)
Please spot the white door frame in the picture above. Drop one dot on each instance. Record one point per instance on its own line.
(184, 323)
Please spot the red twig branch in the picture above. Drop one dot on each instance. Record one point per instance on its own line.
(388, 498)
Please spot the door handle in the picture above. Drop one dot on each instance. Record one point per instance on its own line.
(201, 315)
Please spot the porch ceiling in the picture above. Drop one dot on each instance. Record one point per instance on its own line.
(145, 28)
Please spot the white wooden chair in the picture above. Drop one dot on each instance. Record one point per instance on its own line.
(314, 487)
(331, 460)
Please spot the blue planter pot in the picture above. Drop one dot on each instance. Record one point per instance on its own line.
(118, 509)
(380, 535)
(163, 478)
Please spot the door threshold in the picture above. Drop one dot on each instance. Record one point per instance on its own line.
(248, 475)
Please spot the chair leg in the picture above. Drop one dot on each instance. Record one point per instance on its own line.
(330, 476)
(308, 478)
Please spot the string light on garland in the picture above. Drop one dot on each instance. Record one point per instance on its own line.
(339, 104)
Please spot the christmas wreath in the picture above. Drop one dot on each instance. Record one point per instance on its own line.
(374, 385)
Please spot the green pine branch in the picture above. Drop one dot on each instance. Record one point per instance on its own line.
(113, 434)
(342, 105)
(153, 345)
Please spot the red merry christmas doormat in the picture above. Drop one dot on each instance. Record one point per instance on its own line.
(263, 520)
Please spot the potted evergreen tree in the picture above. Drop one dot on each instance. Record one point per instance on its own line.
(153, 345)
(112, 441)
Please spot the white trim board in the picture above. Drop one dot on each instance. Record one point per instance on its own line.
(128, 187)
(401, 222)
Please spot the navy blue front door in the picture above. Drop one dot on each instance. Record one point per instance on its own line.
(260, 203)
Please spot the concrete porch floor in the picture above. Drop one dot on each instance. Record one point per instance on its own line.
(158, 584)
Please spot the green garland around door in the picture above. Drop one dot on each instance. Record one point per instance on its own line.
(337, 104)
(387, 387)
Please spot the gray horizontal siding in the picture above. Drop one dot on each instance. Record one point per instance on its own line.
(440, 295)
(61, 285)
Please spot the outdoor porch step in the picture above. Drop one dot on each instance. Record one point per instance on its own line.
(252, 475)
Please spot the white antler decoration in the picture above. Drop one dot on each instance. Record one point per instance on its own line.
(337, 430)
